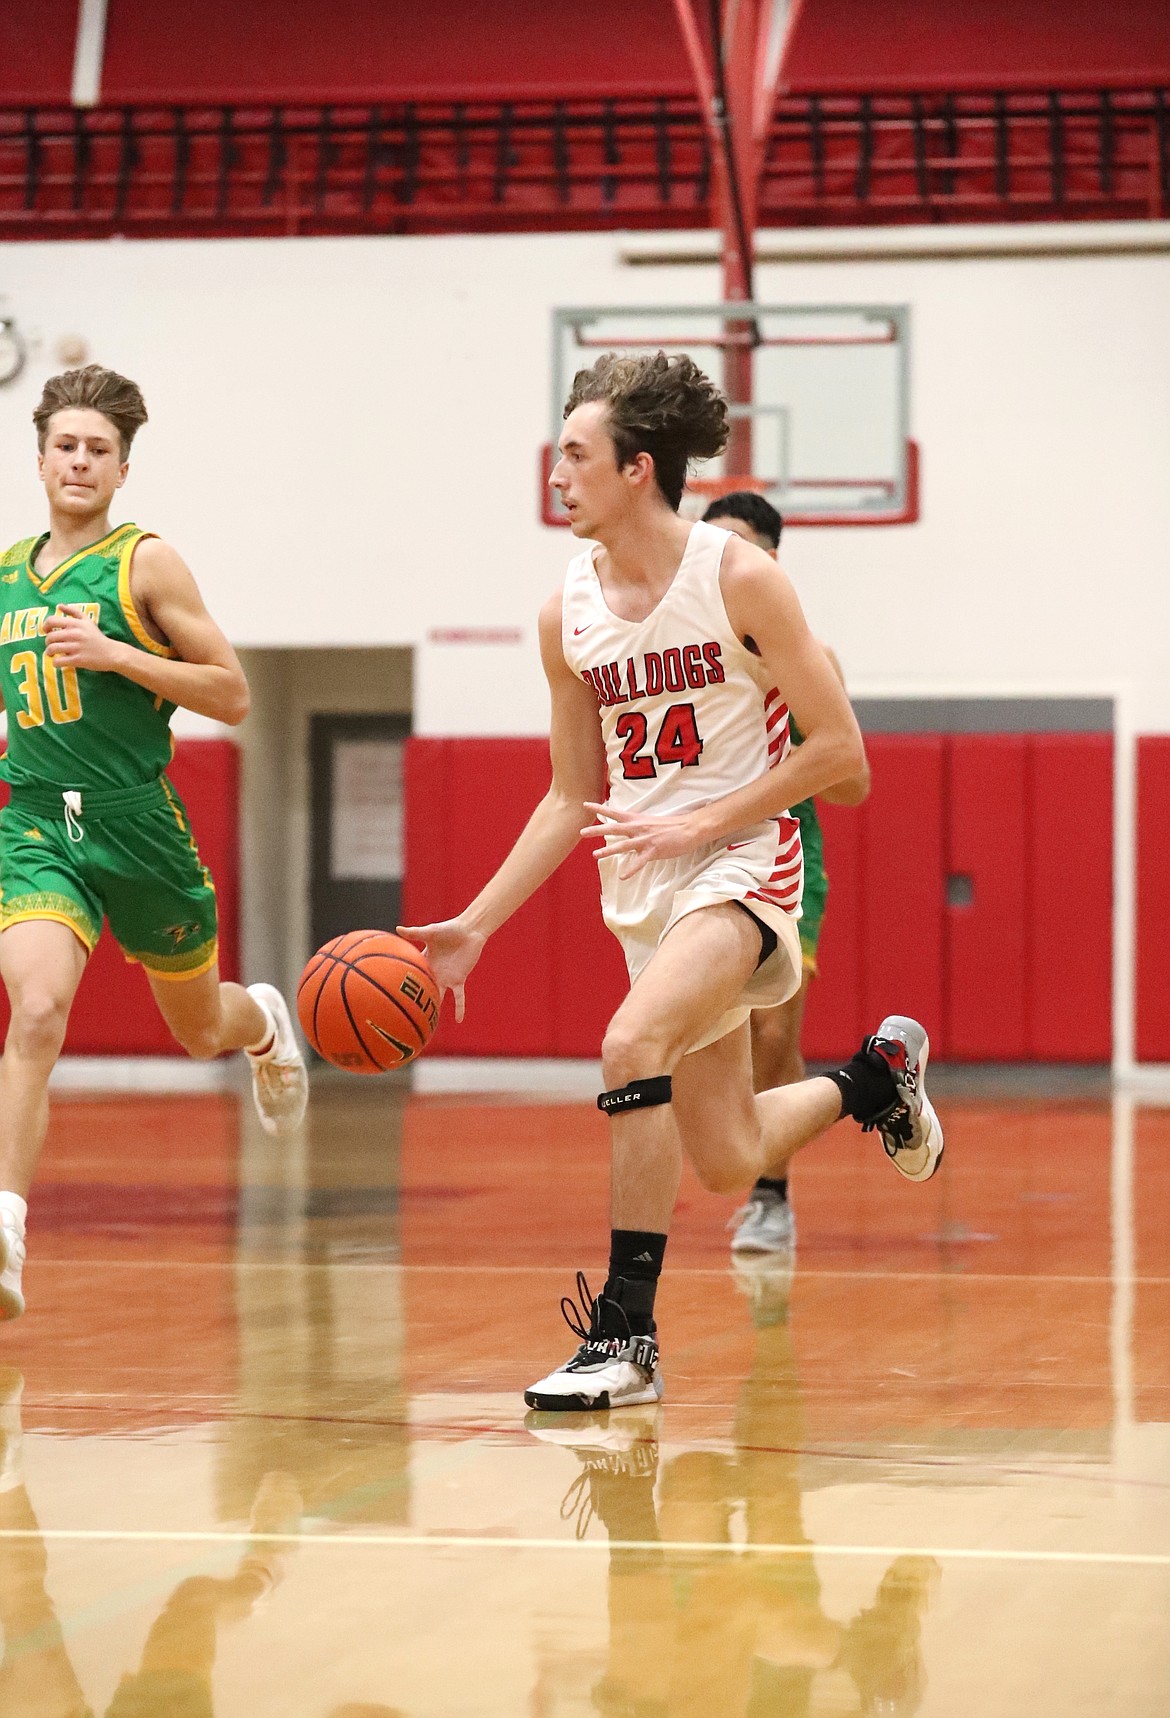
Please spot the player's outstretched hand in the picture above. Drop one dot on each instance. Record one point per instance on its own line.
(452, 950)
(643, 838)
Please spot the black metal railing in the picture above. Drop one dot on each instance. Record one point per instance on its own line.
(1052, 155)
(514, 166)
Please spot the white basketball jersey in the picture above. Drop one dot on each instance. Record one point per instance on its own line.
(688, 713)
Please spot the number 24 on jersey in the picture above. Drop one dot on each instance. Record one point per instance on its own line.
(677, 741)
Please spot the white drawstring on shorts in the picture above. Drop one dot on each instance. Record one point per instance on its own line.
(73, 815)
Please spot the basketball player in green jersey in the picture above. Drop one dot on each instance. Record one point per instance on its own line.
(102, 633)
(765, 1224)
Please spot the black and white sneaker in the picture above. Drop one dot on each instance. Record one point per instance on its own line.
(608, 1370)
(910, 1130)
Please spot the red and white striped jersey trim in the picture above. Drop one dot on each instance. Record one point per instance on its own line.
(786, 883)
(776, 722)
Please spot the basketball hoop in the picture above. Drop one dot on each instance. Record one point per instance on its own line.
(715, 488)
(818, 421)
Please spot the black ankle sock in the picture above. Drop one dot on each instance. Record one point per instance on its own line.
(635, 1263)
(769, 1184)
(636, 1253)
(866, 1087)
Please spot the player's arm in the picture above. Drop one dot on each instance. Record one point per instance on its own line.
(204, 675)
(762, 605)
(855, 788)
(549, 836)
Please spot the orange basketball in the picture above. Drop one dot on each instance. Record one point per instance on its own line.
(368, 1002)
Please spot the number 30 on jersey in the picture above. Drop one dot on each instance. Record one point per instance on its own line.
(61, 690)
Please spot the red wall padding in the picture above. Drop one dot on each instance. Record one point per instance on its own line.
(550, 979)
(1070, 1015)
(902, 882)
(987, 967)
(1021, 973)
(882, 945)
(114, 1014)
(1153, 898)
(467, 800)
(36, 51)
(371, 50)
(837, 46)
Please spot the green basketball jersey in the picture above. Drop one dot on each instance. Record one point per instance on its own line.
(73, 728)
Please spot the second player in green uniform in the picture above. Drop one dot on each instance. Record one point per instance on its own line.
(765, 1225)
(103, 633)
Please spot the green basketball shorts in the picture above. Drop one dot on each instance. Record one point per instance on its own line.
(126, 855)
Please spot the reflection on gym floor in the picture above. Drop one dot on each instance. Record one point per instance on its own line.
(694, 1631)
(263, 1449)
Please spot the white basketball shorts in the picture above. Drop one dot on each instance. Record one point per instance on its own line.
(641, 910)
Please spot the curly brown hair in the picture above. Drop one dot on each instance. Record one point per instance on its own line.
(99, 390)
(662, 406)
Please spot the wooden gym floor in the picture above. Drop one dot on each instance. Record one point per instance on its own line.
(275, 1463)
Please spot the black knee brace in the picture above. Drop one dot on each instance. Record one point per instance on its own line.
(638, 1095)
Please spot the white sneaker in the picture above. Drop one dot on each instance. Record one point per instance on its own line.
(280, 1084)
(11, 1265)
(606, 1371)
(764, 1225)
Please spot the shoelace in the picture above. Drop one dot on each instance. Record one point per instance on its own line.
(594, 1346)
(12, 1247)
(584, 1320)
(278, 1079)
(580, 1501)
(580, 1318)
(639, 1462)
(897, 1122)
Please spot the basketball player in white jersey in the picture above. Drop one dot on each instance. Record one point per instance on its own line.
(673, 654)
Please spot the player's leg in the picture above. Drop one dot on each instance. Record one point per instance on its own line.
(765, 1223)
(695, 975)
(776, 1057)
(881, 1087)
(41, 963)
(732, 1135)
(210, 1017)
(160, 901)
(659, 1095)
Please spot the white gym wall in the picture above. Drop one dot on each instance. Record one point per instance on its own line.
(344, 441)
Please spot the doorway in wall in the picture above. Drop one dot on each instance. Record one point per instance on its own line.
(356, 823)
